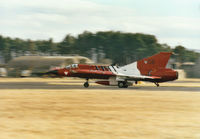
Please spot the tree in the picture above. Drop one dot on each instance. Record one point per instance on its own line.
(32, 48)
(121, 48)
(66, 46)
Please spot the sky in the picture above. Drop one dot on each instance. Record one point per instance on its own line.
(174, 22)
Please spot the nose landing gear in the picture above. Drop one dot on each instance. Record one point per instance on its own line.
(157, 84)
(86, 84)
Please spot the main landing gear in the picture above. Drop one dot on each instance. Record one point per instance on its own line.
(86, 84)
(122, 84)
(157, 84)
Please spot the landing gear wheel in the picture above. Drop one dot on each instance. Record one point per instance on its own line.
(86, 84)
(122, 85)
(157, 84)
(126, 86)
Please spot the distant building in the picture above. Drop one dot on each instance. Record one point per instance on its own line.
(177, 66)
(3, 71)
(171, 64)
(196, 69)
(188, 68)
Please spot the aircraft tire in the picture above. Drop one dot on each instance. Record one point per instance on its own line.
(86, 84)
(157, 84)
(126, 86)
(122, 85)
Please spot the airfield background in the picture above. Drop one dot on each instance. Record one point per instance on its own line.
(101, 47)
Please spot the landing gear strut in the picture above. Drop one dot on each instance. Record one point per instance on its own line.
(157, 84)
(122, 84)
(86, 84)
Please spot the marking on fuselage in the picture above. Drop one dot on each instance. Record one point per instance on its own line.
(114, 68)
(65, 72)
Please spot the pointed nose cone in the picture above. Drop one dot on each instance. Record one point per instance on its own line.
(52, 73)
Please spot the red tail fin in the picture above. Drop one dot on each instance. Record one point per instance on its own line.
(156, 61)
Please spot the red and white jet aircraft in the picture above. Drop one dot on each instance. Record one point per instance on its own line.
(152, 69)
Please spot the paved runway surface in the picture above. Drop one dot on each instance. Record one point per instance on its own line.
(79, 85)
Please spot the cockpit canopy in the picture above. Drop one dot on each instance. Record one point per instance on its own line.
(73, 66)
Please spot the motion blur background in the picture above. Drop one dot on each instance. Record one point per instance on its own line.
(39, 35)
(106, 31)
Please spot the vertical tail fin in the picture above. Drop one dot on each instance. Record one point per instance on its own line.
(156, 61)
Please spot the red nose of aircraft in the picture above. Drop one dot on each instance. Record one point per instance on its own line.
(52, 72)
(59, 72)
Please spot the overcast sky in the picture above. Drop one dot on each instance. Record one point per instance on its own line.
(175, 22)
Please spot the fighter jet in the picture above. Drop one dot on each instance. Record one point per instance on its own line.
(152, 69)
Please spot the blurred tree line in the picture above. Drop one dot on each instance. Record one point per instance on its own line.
(120, 47)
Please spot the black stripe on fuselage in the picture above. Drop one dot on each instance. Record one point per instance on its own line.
(114, 68)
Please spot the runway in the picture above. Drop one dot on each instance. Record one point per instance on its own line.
(62, 108)
(55, 84)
